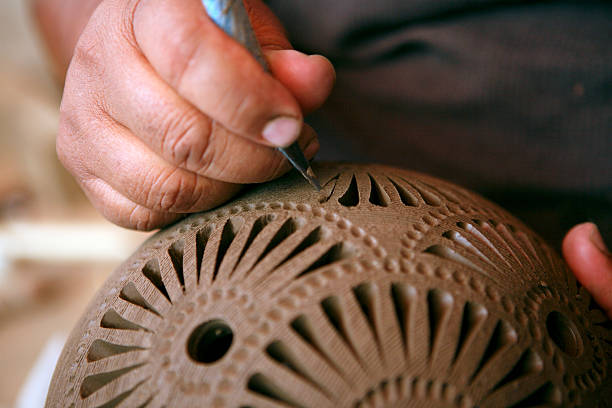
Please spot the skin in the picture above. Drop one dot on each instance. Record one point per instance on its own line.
(159, 103)
(591, 262)
(161, 107)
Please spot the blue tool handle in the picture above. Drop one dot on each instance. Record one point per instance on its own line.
(232, 17)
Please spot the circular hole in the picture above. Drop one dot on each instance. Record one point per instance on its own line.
(210, 341)
(564, 333)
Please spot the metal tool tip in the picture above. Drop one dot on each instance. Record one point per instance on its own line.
(312, 179)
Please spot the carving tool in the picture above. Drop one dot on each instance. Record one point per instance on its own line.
(232, 17)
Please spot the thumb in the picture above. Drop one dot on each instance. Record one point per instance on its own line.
(213, 72)
(309, 78)
(591, 262)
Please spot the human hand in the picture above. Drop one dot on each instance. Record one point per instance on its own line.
(591, 262)
(164, 114)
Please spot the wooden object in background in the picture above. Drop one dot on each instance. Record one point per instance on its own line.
(388, 289)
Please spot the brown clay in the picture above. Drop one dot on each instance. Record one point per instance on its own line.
(389, 289)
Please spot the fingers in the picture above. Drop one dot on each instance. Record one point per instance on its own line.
(310, 78)
(130, 168)
(164, 114)
(185, 137)
(591, 263)
(270, 32)
(123, 212)
(215, 73)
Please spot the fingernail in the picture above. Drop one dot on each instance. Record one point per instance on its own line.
(282, 131)
(598, 241)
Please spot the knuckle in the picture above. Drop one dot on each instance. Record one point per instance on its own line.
(185, 138)
(140, 219)
(216, 156)
(173, 192)
(107, 36)
(224, 159)
(119, 209)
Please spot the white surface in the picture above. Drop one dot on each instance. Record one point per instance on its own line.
(63, 242)
(34, 391)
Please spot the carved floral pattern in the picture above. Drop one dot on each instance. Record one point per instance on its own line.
(388, 289)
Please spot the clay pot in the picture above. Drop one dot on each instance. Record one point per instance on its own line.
(388, 289)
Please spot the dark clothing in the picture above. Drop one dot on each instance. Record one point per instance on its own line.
(511, 99)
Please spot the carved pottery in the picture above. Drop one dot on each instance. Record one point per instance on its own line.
(388, 289)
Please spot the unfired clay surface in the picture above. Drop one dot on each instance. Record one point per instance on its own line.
(389, 289)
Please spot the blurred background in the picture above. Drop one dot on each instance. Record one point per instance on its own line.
(55, 250)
